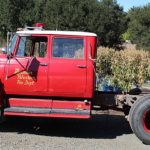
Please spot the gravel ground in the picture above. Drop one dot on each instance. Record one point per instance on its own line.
(101, 132)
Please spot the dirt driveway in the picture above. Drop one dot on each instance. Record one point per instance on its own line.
(101, 132)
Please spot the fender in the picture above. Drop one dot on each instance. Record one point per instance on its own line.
(2, 93)
(3, 61)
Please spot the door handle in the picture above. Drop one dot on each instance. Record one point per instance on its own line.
(43, 64)
(80, 66)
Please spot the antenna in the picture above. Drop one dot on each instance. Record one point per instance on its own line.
(57, 21)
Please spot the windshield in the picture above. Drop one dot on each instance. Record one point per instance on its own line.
(13, 43)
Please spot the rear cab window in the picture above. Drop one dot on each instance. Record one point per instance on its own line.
(68, 48)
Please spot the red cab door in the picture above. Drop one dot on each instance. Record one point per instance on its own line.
(27, 70)
(68, 66)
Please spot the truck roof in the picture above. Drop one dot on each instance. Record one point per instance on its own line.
(57, 32)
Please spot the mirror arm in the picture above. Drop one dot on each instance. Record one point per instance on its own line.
(7, 41)
(90, 56)
(9, 55)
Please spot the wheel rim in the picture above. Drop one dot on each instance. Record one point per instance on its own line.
(146, 121)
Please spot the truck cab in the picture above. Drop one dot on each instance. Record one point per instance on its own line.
(46, 70)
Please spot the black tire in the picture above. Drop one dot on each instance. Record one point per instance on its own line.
(139, 118)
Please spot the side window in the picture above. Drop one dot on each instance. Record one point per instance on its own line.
(24, 48)
(32, 46)
(40, 49)
(72, 48)
(13, 43)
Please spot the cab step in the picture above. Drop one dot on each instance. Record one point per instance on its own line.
(32, 110)
(47, 108)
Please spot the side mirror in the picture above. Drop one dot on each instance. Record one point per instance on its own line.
(90, 53)
(4, 50)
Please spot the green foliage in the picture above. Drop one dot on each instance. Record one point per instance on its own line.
(106, 17)
(139, 27)
(126, 36)
(70, 14)
(88, 15)
(126, 68)
(104, 56)
(112, 23)
(18, 13)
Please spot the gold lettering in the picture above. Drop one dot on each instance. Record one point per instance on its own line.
(19, 76)
(25, 76)
(29, 83)
(19, 82)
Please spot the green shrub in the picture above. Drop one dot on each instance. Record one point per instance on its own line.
(104, 56)
(127, 68)
(126, 36)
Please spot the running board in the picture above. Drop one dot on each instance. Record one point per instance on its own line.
(28, 110)
(48, 108)
(47, 112)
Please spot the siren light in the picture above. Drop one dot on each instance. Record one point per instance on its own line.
(39, 25)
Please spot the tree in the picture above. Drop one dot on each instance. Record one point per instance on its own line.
(4, 17)
(18, 13)
(112, 24)
(32, 12)
(69, 14)
(106, 17)
(10, 13)
(139, 26)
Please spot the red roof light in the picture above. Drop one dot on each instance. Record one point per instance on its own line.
(39, 25)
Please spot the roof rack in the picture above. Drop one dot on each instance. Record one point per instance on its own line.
(33, 28)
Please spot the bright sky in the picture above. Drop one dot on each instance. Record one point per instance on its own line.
(127, 4)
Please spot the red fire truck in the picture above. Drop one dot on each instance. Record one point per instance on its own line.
(52, 74)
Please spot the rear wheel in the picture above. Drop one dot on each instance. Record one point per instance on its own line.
(139, 118)
(146, 121)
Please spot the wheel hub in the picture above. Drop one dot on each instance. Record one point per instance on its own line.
(146, 121)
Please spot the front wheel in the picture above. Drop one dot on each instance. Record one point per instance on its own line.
(139, 118)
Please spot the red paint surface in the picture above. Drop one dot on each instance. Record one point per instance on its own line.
(64, 74)
(26, 75)
(61, 77)
(25, 114)
(48, 103)
(66, 105)
(71, 105)
(70, 116)
(58, 78)
(30, 103)
(39, 25)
